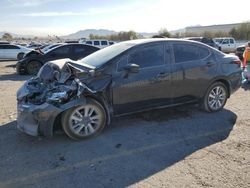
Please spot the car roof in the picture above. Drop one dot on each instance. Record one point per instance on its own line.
(71, 44)
(144, 41)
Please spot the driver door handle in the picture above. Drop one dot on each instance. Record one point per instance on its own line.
(162, 75)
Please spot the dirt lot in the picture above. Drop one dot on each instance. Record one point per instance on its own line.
(181, 147)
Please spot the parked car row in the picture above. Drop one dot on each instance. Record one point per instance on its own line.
(128, 77)
(34, 60)
(98, 43)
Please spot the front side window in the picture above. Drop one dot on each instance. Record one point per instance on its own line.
(189, 52)
(147, 56)
(225, 41)
(104, 43)
(89, 42)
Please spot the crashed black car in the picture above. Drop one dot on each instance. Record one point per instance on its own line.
(34, 60)
(125, 78)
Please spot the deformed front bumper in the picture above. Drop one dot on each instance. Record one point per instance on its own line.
(37, 119)
(40, 119)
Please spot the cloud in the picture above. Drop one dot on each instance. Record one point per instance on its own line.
(86, 12)
(30, 3)
(53, 14)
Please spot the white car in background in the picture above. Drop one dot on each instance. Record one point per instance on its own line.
(11, 51)
(227, 44)
(98, 43)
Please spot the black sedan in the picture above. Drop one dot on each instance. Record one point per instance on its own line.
(33, 61)
(125, 78)
(205, 40)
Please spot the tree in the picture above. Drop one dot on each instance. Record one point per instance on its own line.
(164, 33)
(7, 36)
(242, 32)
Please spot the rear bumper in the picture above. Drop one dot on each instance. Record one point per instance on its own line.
(235, 82)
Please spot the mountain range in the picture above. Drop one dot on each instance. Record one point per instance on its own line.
(101, 32)
(81, 34)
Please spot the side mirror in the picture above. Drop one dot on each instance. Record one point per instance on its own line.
(132, 68)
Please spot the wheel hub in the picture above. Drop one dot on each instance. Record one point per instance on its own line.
(86, 120)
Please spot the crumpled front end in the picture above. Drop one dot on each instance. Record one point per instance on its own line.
(41, 99)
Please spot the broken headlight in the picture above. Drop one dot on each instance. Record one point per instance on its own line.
(57, 97)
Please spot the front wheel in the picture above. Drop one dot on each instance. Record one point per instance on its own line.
(215, 98)
(20, 56)
(33, 67)
(84, 121)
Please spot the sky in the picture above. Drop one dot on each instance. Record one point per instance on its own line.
(62, 17)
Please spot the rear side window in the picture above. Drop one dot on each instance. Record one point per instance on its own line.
(79, 49)
(148, 56)
(231, 41)
(96, 43)
(10, 47)
(189, 52)
(104, 43)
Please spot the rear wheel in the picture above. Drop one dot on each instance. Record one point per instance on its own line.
(33, 67)
(20, 56)
(215, 98)
(84, 121)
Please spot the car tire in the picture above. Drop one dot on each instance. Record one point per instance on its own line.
(215, 97)
(18, 69)
(84, 121)
(33, 67)
(20, 56)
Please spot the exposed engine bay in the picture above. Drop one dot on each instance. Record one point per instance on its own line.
(53, 84)
(56, 88)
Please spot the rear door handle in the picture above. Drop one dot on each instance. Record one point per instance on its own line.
(162, 75)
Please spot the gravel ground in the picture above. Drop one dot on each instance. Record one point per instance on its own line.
(181, 147)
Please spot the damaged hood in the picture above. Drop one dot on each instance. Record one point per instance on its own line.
(61, 81)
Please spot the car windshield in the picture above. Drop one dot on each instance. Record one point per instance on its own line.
(100, 57)
(50, 48)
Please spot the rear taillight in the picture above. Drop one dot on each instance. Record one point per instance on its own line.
(237, 61)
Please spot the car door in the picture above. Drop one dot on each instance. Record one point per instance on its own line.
(60, 52)
(225, 45)
(193, 68)
(232, 45)
(2, 51)
(11, 51)
(148, 88)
